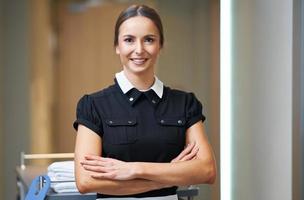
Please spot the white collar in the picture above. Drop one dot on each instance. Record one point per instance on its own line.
(125, 85)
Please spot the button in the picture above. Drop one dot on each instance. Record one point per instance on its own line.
(131, 99)
(162, 121)
(111, 122)
(179, 121)
(130, 122)
(153, 101)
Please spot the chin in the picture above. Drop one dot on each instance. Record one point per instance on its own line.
(138, 69)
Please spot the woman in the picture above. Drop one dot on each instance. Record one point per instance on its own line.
(131, 136)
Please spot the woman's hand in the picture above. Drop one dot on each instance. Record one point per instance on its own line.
(188, 153)
(114, 169)
(109, 168)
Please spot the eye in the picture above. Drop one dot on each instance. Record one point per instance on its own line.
(149, 40)
(128, 40)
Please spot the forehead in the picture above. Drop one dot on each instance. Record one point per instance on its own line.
(138, 25)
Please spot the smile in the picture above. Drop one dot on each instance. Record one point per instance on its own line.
(138, 61)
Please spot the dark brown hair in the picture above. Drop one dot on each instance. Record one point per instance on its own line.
(139, 10)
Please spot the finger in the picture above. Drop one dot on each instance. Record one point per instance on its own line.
(186, 151)
(92, 162)
(99, 158)
(92, 157)
(111, 161)
(190, 144)
(191, 155)
(101, 161)
(183, 153)
(103, 176)
(95, 168)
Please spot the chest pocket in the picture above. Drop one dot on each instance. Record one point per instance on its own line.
(120, 130)
(173, 129)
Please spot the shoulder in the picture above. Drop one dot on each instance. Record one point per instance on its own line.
(183, 98)
(179, 94)
(187, 102)
(101, 94)
(94, 98)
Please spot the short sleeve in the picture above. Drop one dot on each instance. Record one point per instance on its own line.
(87, 115)
(194, 110)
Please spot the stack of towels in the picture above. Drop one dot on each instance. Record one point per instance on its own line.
(62, 176)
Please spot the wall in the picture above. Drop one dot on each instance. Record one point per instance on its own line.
(190, 61)
(262, 99)
(15, 90)
(262, 89)
(298, 100)
(1, 101)
(41, 77)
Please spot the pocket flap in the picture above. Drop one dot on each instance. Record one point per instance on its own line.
(121, 122)
(172, 121)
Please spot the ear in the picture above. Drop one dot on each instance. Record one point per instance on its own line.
(117, 50)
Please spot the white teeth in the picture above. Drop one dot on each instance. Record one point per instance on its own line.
(139, 61)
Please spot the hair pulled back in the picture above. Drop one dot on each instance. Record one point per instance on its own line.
(139, 10)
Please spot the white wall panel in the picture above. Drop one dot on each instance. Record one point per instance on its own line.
(262, 100)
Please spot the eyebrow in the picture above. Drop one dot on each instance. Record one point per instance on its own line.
(149, 35)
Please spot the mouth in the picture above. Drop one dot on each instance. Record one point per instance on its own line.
(139, 61)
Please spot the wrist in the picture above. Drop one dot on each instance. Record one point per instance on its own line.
(138, 170)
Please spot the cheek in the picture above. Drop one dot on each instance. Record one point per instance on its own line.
(123, 50)
(154, 51)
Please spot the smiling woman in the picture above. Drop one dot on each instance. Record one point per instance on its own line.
(119, 127)
(138, 46)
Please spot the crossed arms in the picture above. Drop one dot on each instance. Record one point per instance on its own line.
(194, 165)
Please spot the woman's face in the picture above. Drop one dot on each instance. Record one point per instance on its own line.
(138, 44)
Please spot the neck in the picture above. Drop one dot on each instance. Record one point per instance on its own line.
(141, 81)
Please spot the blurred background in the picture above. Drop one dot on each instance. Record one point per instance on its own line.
(54, 51)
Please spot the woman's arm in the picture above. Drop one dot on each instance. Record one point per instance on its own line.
(88, 142)
(201, 169)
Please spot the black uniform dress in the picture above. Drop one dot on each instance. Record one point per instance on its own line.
(140, 126)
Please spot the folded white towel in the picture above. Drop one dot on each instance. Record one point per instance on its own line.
(64, 166)
(65, 187)
(64, 173)
(61, 176)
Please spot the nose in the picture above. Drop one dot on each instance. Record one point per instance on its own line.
(139, 47)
